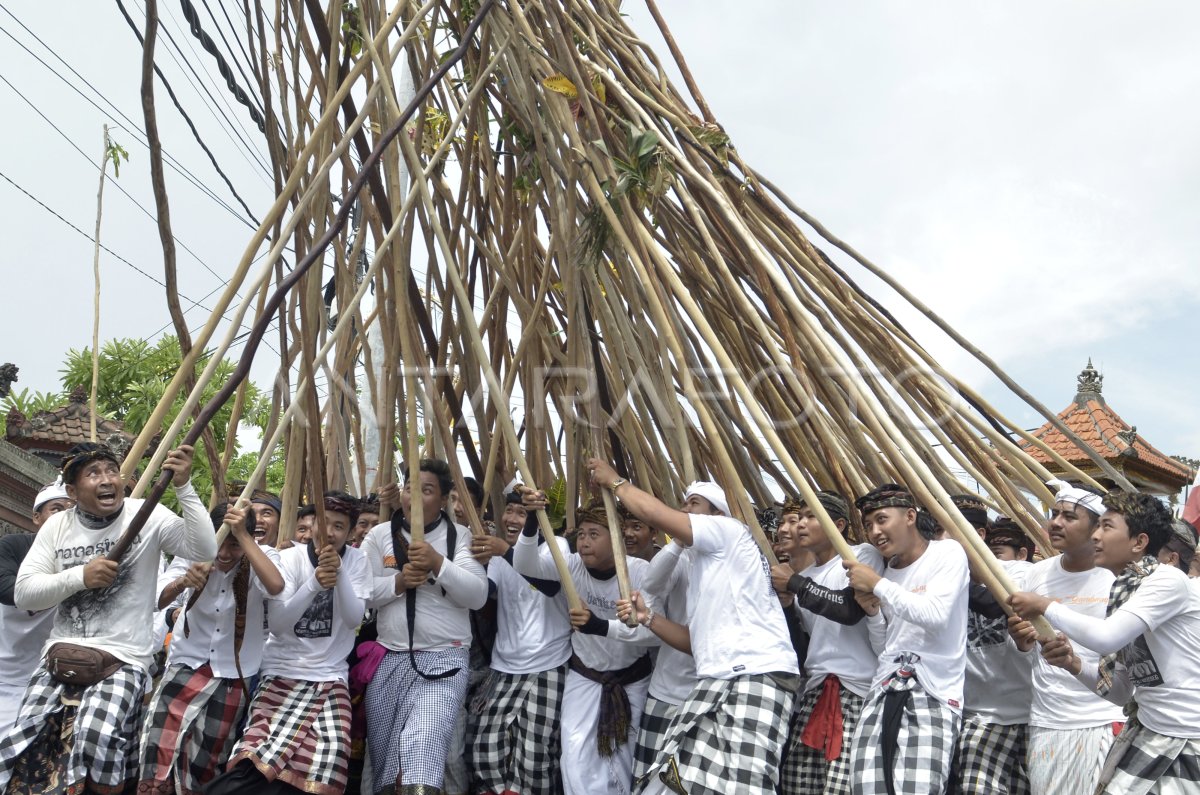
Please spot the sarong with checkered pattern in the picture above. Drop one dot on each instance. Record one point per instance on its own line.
(190, 729)
(299, 733)
(805, 771)
(728, 736)
(925, 743)
(68, 735)
(515, 742)
(991, 757)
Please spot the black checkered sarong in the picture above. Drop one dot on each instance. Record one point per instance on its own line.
(1143, 762)
(805, 771)
(728, 736)
(66, 735)
(652, 734)
(925, 743)
(515, 740)
(410, 718)
(190, 729)
(299, 733)
(991, 758)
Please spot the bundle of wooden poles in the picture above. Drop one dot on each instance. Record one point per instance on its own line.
(539, 249)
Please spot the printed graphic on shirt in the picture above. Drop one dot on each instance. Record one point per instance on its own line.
(317, 621)
(1143, 668)
(984, 632)
(93, 610)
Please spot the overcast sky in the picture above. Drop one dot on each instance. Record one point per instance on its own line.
(1027, 169)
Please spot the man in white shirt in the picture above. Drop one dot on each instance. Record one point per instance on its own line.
(298, 734)
(609, 668)
(909, 727)
(841, 658)
(23, 633)
(993, 744)
(424, 591)
(104, 610)
(217, 647)
(1151, 641)
(728, 735)
(1071, 729)
(515, 737)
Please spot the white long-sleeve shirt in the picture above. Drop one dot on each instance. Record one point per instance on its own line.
(120, 618)
(443, 605)
(533, 631)
(667, 580)
(209, 623)
(313, 629)
(623, 645)
(926, 608)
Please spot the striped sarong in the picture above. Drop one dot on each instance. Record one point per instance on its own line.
(1142, 762)
(299, 733)
(728, 736)
(514, 733)
(190, 730)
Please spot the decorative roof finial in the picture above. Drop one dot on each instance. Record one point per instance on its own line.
(1090, 382)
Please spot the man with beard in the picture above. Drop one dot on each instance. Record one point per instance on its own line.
(514, 715)
(78, 727)
(298, 735)
(198, 706)
(23, 632)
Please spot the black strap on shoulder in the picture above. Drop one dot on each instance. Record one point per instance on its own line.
(400, 551)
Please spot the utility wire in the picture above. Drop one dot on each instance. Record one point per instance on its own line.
(133, 128)
(118, 185)
(193, 20)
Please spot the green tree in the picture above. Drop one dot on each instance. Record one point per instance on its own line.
(133, 378)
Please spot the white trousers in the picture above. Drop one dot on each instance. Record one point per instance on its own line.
(584, 771)
(1067, 761)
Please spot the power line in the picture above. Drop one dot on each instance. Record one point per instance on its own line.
(194, 303)
(133, 129)
(84, 155)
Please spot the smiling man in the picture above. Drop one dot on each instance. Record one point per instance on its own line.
(906, 736)
(1151, 641)
(217, 647)
(1070, 727)
(105, 611)
(298, 735)
(424, 592)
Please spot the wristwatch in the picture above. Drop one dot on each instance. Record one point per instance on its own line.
(616, 484)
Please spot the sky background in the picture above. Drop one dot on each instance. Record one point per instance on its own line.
(1029, 170)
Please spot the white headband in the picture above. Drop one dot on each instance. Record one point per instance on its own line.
(1077, 496)
(55, 491)
(711, 492)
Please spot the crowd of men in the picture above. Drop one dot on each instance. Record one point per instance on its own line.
(357, 657)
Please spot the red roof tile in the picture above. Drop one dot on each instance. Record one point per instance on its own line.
(62, 427)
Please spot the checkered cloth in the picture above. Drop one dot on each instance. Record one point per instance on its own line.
(299, 733)
(925, 743)
(67, 734)
(991, 757)
(728, 736)
(410, 718)
(514, 740)
(192, 723)
(652, 734)
(805, 769)
(1142, 761)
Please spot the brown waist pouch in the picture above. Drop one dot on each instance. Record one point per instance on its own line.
(71, 664)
